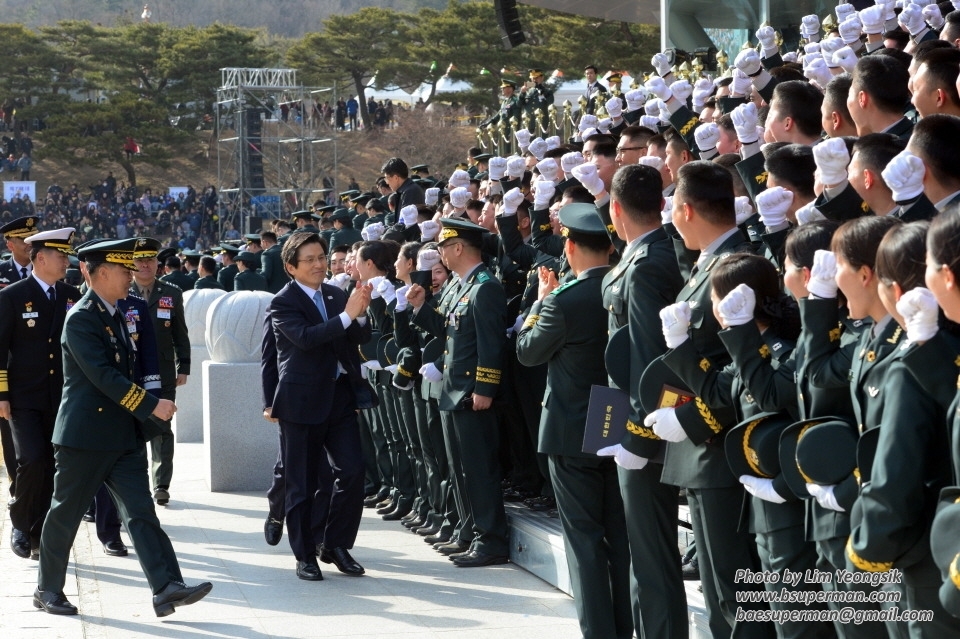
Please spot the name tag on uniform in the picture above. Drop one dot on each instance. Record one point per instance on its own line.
(163, 313)
(29, 315)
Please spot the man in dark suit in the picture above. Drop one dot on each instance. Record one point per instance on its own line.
(14, 269)
(318, 389)
(564, 331)
(99, 437)
(165, 304)
(31, 320)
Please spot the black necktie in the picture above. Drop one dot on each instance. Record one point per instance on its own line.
(23, 272)
(52, 294)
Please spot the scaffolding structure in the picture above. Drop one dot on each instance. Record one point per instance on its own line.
(272, 141)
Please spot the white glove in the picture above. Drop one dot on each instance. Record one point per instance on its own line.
(810, 48)
(570, 160)
(635, 99)
(664, 112)
(736, 308)
(790, 56)
(818, 72)
(614, 107)
(844, 10)
(523, 139)
(459, 178)
(661, 63)
(666, 213)
(427, 259)
(604, 125)
(904, 175)
(845, 58)
(543, 195)
(386, 290)
(553, 142)
(375, 283)
(588, 121)
(402, 297)
(809, 213)
(828, 47)
(340, 280)
(748, 61)
(431, 196)
(653, 161)
(515, 167)
(517, 325)
(702, 90)
(933, 16)
(429, 230)
(745, 122)
(823, 274)
(587, 175)
(681, 90)
(497, 168)
(659, 88)
(372, 365)
(431, 373)
(761, 488)
(919, 309)
(850, 30)
(459, 197)
(511, 201)
(675, 322)
(773, 204)
(832, 159)
(889, 9)
(623, 457)
(392, 369)
(810, 27)
(768, 40)
(651, 122)
(665, 425)
(549, 169)
(872, 19)
(373, 231)
(408, 215)
(652, 106)
(539, 148)
(825, 497)
(707, 136)
(911, 19)
(744, 208)
(741, 84)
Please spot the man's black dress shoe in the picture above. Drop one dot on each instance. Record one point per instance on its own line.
(309, 571)
(272, 530)
(89, 517)
(439, 538)
(371, 501)
(457, 555)
(396, 515)
(176, 594)
(20, 543)
(115, 548)
(427, 530)
(476, 558)
(341, 558)
(386, 506)
(410, 516)
(451, 547)
(416, 522)
(53, 602)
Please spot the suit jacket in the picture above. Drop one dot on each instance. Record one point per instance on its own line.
(268, 361)
(271, 267)
(30, 328)
(566, 332)
(165, 308)
(102, 407)
(308, 350)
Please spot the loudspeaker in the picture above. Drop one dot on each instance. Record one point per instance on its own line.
(508, 18)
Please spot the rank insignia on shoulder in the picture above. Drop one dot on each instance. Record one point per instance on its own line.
(873, 391)
(777, 347)
(483, 277)
(560, 289)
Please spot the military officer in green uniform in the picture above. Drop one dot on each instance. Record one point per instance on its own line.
(176, 276)
(304, 221)
(646, 280)
(228, 270)
(165, 304)
(192, 260)
(344, 233)
(565, 330)
(208, 274)
(99, 438)
(271, 265)
(475, 334)
(510, 108)
(537, 95)
(247, 278)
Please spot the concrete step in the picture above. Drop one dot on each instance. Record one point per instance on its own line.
(536, 545)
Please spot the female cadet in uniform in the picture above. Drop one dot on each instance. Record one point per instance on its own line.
(894, 512)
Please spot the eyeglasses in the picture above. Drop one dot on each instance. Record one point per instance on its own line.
(313, 260)
(620, 150)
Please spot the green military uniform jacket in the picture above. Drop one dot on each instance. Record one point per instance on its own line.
(646, 280)
(474, 329)
(225, 276)
(271, 267)
(101, 408)
(345, 236)
(568, 333)
(249, 281)
(179, 279)
(847, 205)
(208, 281)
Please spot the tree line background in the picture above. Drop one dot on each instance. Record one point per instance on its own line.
(89, 87)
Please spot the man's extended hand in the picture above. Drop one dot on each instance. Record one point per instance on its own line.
(5, 410)
(181, 379)
(164, 410)
(358, 301)
(481, 402)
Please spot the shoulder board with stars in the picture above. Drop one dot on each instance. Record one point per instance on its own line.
(566, 286)
(483, 276)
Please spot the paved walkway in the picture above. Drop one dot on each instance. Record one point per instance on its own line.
(409, 590)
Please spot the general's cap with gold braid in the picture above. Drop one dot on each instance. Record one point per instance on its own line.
(21, 227)
(111, 251)
(57, 239)
(456, 228)
(146, 248)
